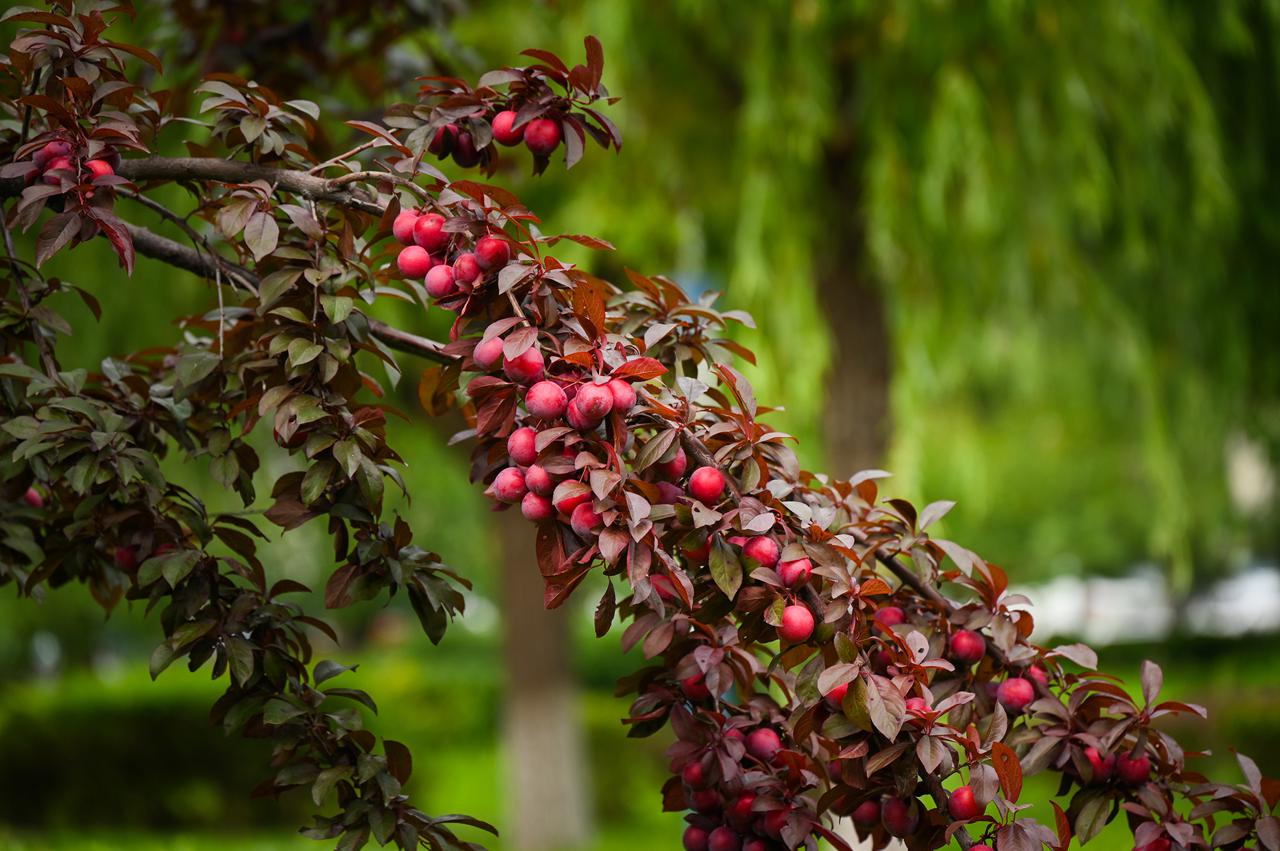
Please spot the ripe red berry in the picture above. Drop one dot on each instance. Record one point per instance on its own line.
(968, 646)
(464, 150)
(1101, 766)
(584, 520)
(492, 252)
(624, 395)
(33, 498)
(755, 843)
(706, 485)
(724, 838)
(466, 271)
(1015, 694)
(57, 149)
(705, 801)
(763, 550)
(488, 353)
(900, 818)
(695, 687)
(57, 164)
(538, 480)
(525, 367)
(698, 553)
(774, 821)
(542, 135)
(674, 469)
(695, 839)
(867, 814)
(509, 485)
(429, 232)
(546, 400)
(594, 401)
(889, 616)
(568, 503)
(835, 697)
(126, 558)
(439, 281)
(763, 744)
(522, 446)
(504, 130)
(579, 420)
(740, 809)
(915, 705)
(1133, 769)
(1037, 674)
(536, 507)
(694, 775)
(413, 261)
(402, 227)
(797, 624)
(962, 805)
(795, 572)
(442, 141)
(99, 168)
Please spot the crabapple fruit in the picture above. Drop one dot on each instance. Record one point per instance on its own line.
(536, 508)
(797, 624)
(795, 572)
(577, 419)
(538, 480)
(674, 468)
(962, 804)
(522, 446)
(402, 227)
(439, 281)
(429, 232)
(509, 485)
(968, 646)
(525, 367)
(57, 149)
(504, 130)
(99, 168)
(584, 519)
(594, 401)
(624, 395)
(695, 688)
(1015, 694)
(763, 744)
(1133, 769)
(488, 353)
(542, 136)
(835, 697)
(442, 141)
(724, 838)
(695, 839)
(464, 150)
(762, 549)
(867, 813)
(492, 252)
(899, 817)
(414, 261)
(466, 271)
(546, 400)
(889, 616)
(1101, 766)
(706, 484)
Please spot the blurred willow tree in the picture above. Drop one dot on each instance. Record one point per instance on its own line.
(1054, 222)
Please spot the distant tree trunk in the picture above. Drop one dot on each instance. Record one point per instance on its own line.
(856, 417)
(550, 798)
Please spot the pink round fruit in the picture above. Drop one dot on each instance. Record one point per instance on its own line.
(740, 809)
(464, 150)
(402, 227)
(724, 838)
(797, 624)
(594, 401)
(694, 775)
(33, 498)
(536, 507)
(509, 485)
(439, 281)
(57, 149)
(522, 446)
(51, 177)
(442, 141)
(1101, 766)
(835, 697)
(414, 261)
(867, 814)
(917, 705)
(125, 558)
(763, 744)
(968, 646)
(429, 232)
(962, 804)
(542, 136)
(525, 367)
(899, 817)
(546, 400)
(1133, 769)
(99, 168)
(504, 130)
(774, 821)
(466, 271)
(488, 353)
(889, 616)
(624, 395)
(539, 480)
(795, 572)
(763, 550)
(695, 839)
(675, 468)
(579, 420)
(1015, 694)
(695, 687)
(705, 801)
(584, 520)
(492, 252)
(569, 503)
(706, 484)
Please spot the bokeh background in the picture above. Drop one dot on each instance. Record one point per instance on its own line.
(1022, 254)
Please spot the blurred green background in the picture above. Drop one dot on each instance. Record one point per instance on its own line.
(1023, 254)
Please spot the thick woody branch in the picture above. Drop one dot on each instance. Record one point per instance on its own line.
(153, 245)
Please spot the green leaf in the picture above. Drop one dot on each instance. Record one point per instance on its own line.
(327, 670)
(326, 780)
(261, 234)
(1092, 818)
(279, 711)
(348, 454)
(161, 657)
(336, 307)
(195, 366)
(302, 351)
(316, 480)
(726, 570)
(275, 285)
(241, 654)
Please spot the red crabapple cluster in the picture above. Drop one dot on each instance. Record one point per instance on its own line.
(540, 135)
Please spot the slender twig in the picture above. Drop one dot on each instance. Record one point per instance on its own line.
(358, 149)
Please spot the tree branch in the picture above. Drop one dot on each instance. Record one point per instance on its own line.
(153, 245)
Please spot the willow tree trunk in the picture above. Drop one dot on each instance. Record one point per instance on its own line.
(550, 798)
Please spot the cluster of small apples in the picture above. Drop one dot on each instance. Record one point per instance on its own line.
(540, 135)
(1132, 767)
(428, 256)
(739, 817)
(57, 160)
